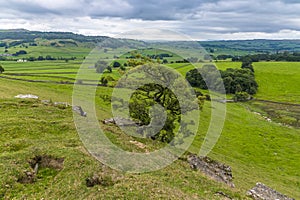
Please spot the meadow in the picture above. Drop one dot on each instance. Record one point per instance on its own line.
(279, 81)
(257, 150)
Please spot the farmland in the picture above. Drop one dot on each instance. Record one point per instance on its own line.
(256, 149)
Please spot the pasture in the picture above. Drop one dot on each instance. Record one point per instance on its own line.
(257, 150)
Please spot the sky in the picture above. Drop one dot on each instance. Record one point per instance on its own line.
(197, 19)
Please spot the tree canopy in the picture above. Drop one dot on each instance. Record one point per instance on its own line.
(235, 80)
(116, 64)
(163, 92)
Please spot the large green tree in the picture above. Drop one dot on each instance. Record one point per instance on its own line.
(157, 91)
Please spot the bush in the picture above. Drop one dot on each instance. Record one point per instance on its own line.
(122, 68)
(241, 96)
(109, 69)
(116, 64)
(104, 81)
(1, 69)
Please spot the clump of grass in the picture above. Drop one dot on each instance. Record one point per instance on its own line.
(102, 179)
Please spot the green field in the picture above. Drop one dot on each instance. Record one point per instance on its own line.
(256, 150)
(278, 81)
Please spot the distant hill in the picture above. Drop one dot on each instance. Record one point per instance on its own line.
(14, 30)
(263, 46)
(23, 36)
(30, 36)
(235, 47)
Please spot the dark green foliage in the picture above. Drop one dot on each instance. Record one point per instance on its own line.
(208, 77)
(165, 61)
(109, 69)
(235, 80)
(1, 69)
(21, 52)
(16, 43)
(31, 59)
(247, 63)
(147, 96)
(239, 80)
(116, 64)
(104, 81)
(123, 67)
(160, 56)
(155, 101)
(258, 45)
(241, 96)
(3, 44)
(182, 61)
(66, 42)
(40, 58)
(138, 59)
(224, 57)
(48, 57)
(285, 56)
(109, 78)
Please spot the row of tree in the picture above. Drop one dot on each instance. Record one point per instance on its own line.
(285, 56)
(39, 58)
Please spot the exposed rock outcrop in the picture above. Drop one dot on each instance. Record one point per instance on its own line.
(120, 121)
(79, 110)
(263, 192)
(217, 171)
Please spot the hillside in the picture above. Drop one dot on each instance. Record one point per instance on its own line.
(43, 156)
(15, 37)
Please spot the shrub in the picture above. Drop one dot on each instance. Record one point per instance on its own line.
(241, 96)
(1, 69)
(116, 64)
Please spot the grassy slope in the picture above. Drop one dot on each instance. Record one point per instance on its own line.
(30, 129)
(36, 51)
(255, 149)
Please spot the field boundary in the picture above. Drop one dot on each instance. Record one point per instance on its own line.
(277, 102)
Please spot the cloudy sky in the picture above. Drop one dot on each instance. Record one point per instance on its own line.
(199, 19)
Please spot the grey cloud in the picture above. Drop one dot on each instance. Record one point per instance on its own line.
(155, 10)
(22, 8)
(190, 16)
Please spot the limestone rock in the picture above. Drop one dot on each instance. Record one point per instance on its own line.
(263, 192)
(217, 171)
